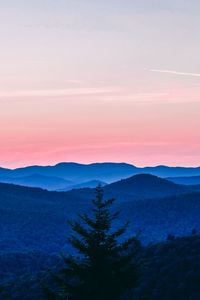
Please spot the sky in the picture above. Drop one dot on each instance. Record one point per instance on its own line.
(93, 81)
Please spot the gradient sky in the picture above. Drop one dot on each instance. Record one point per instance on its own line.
(90, 80)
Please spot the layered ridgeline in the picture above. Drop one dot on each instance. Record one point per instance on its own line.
(186, 180)
(34, 229)
(38, 180)
(65, 176)
(35, 219)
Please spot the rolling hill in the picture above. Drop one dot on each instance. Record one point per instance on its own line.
(33, 221)
(146, 186)
(87, 184)
(80, 173)
(76, 172)
(141, 186)
(192, 180)
(40, 181)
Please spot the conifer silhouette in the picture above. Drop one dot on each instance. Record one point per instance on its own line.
(104, 268)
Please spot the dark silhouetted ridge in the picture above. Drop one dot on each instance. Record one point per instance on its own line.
(147, 186)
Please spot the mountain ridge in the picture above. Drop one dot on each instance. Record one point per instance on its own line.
(136, 187)
(186, 180)
(38, 180)
(31, 215)
(106, 172)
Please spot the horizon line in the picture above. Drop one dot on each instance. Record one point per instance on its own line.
(100, 162)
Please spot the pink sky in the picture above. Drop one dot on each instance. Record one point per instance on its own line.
(143, 128)
(100, 82)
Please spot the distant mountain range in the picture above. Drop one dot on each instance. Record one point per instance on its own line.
(40, 181)
(192, 180)
(65, 175)
(87, 184)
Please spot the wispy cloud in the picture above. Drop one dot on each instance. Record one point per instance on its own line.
(56, 92)
(175, 72)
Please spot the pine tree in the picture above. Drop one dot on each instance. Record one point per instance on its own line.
(104, 268)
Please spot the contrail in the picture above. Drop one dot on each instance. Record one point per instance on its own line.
(175, 72)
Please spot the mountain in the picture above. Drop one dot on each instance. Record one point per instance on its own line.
(87, 184)
(108, 172)
(37, 180)
(30, 216)
(165, 171)
(141, 186)
(34, 224)
(193, 180)
(34, 231)
(76, 172)
(35, 219)
(5, 172)
(146, 186)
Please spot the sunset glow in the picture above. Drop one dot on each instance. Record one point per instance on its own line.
(99, 82)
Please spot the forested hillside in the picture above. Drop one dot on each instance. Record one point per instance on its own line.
(169, 270)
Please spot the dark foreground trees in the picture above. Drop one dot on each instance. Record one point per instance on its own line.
(104, 268)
